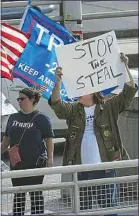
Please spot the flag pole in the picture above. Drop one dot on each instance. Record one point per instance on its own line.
(24, 16)
(29, 2)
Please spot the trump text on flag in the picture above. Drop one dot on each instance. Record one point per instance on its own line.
(94, 63)
(38, 63)
(53, 41)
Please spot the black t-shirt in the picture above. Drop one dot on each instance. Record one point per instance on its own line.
(31, 145)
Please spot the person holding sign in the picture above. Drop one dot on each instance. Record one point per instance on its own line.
(93, 135)
(26, 133)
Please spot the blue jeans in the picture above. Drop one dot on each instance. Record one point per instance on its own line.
(106, 195)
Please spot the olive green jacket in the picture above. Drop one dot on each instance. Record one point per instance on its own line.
(105, 126)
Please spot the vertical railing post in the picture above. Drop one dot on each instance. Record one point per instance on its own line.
(76, 194)
(72, 13)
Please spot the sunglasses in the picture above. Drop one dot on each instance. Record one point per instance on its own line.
(21, 98)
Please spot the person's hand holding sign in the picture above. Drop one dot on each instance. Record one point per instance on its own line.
(125, 59)
(58, 74)
(56, 91)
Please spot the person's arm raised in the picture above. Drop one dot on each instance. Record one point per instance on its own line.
(61, 108)
(122, 101)
(56, 91)
(125, 59)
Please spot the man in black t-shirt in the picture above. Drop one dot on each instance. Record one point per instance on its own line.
(29, 129)
(31, 145)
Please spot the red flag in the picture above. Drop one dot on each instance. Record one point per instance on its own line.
(13, 42)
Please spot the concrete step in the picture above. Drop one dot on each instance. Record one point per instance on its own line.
(133, 60)
(130, 47)
(129, 33)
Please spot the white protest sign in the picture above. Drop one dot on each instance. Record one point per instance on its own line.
(91, 65)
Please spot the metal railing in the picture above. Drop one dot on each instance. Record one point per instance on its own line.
(61, 18)
(87, 16)
(110, 14)
(69, 169)
(64, 197)
(24, 3)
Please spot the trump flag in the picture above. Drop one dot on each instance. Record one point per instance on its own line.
(38, 62)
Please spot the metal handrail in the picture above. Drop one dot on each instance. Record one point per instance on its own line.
(17, 21)
(75, 184)
(83, 183)
(70, 169)
(110, 14)
(24, 3)
(87, 16)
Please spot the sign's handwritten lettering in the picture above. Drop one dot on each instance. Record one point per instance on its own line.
(101, 76)
(102, 47)
(95, 65)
